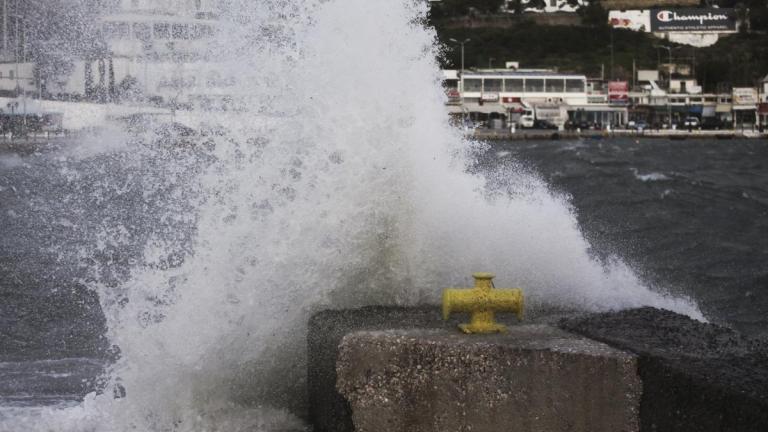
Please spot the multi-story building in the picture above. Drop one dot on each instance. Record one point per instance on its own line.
(511, 95)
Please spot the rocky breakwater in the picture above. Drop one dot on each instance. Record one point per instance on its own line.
(696, 376)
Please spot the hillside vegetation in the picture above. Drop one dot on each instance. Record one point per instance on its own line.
(735, 60)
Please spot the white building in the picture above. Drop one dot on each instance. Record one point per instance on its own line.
(509, 93)
(546, 6)
(16, 77)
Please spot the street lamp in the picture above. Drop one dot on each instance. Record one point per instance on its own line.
(462, 52)
(462, 70)
(669, 80)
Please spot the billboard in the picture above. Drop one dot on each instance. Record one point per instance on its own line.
(618, 92)
(715, 20)
(637, 20)
(745, 96)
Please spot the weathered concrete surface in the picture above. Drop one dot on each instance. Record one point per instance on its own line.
(328, 410)
(533, 378)
(696, 376)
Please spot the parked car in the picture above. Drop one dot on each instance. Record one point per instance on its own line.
(544, 124)
(638, 125)
(527, 121)
(691, 123)
(713, 123)
(578, 124)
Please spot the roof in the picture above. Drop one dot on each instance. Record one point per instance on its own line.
(521, 74)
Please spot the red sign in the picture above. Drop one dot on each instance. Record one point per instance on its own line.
(618, 92)
(510, 99)
(763, 108)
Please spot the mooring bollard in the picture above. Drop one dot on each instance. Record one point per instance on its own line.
(482, 302)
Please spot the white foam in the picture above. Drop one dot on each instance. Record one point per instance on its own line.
(354, 192)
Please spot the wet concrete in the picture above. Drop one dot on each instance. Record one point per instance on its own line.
(535, 378)
(696, 376)
(329, 411)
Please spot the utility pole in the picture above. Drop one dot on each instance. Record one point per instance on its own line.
(611, 32)
(634, 74)
(669, 81)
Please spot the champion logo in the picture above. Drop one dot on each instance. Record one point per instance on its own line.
(666, 16)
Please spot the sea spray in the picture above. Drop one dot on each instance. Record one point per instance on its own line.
(341, 184)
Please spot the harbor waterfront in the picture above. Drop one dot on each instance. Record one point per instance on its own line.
(688, 216)
(544, 134)
(239, 216)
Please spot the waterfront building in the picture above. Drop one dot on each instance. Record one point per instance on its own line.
(156, 50)
(546, 6)
(504, 96)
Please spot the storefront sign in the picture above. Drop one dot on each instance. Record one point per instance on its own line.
(744, 96)
(618, 92)
(716, 20)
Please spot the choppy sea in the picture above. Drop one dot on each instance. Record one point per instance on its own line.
(689, 217)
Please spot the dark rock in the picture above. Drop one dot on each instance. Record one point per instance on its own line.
(696, 376)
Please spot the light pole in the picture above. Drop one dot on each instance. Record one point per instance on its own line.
(669, 80)
(461, 92)
(462, 58)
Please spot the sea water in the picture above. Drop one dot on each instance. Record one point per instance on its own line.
(340, 185)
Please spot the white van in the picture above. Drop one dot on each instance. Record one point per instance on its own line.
(527, 120)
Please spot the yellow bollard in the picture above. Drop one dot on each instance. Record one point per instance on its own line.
(482, 302)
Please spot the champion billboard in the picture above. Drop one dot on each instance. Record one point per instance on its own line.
(693, 20)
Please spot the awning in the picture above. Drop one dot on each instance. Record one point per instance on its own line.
(745, 107)
(723, 108)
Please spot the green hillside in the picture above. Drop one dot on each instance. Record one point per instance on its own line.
(738, 59)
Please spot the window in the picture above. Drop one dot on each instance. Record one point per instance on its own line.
(473, 85)
(534, 85)
(162, 31)
(116, 30)
(574, 86)
(513, 85)
(180, 31)
(555, 85)
(199, 31)
(11, 74)
(142, 31)
(491, 85)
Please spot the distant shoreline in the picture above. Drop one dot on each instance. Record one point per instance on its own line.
(538, 134)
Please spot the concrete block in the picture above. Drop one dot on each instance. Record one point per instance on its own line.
(533, 378)
(697, 377)
(328, 410)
